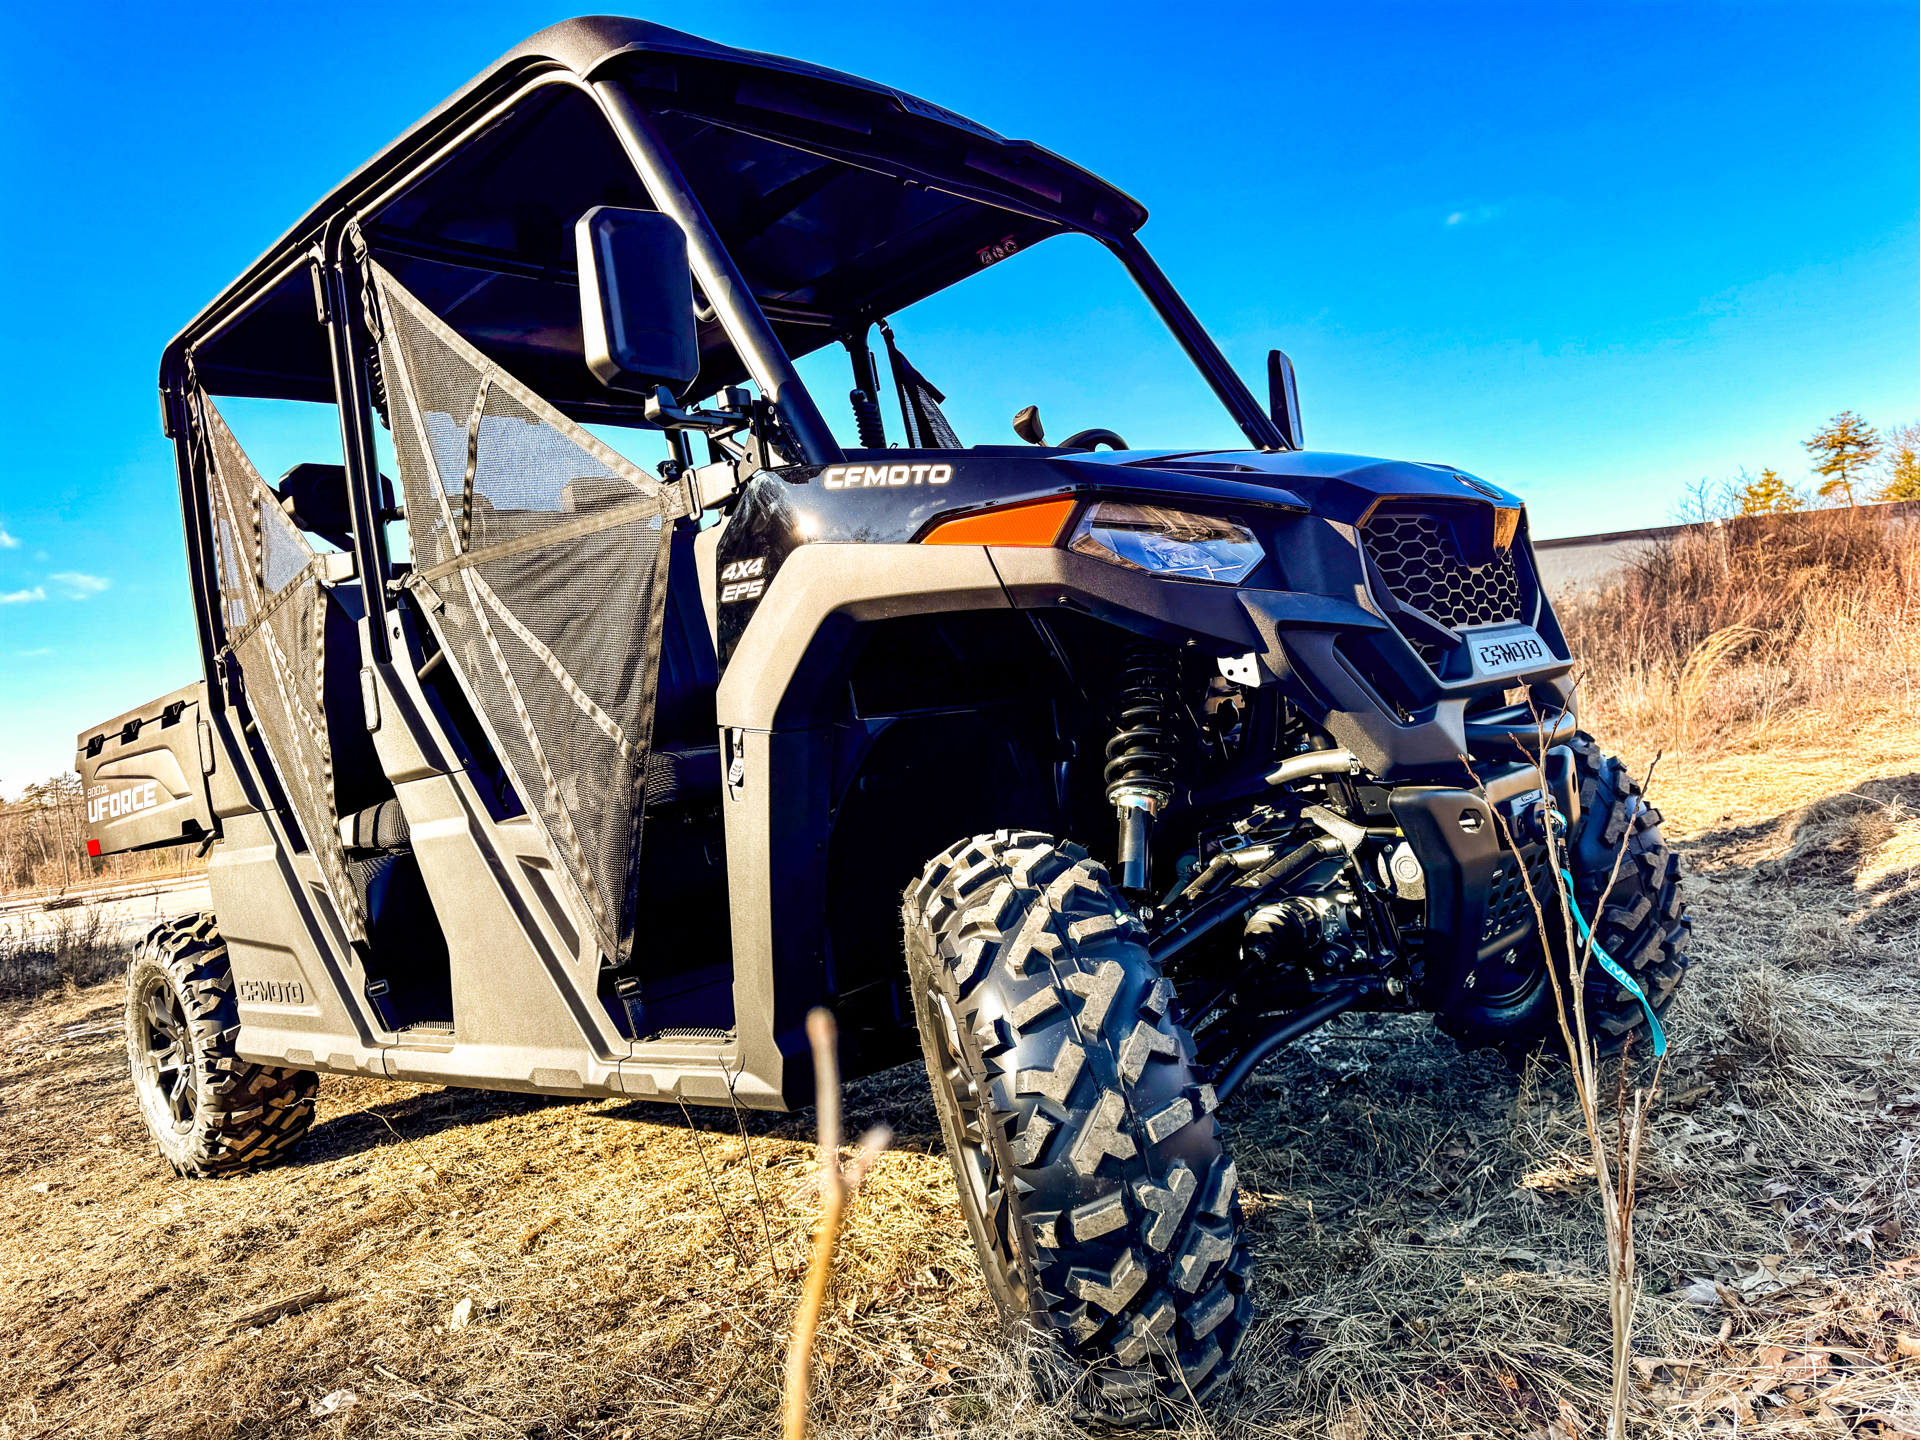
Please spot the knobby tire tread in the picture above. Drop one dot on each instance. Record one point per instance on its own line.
(1641, 921)
(248, 1115)
(1121, 1231)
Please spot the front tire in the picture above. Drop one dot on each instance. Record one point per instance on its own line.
(209, 1112)
(1640, 920)
(1089, 1166)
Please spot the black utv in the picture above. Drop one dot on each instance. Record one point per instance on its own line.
(524, 765)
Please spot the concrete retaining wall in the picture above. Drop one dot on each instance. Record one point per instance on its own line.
(1589, 562)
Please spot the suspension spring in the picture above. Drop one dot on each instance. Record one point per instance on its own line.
(1139, 773)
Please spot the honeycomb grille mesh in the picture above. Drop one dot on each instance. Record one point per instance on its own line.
(1423, 568)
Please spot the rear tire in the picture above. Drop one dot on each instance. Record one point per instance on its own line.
(1089, 1166)
(209, 1112)
(1641, 922)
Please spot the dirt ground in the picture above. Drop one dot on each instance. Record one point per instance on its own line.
(1428, 1255)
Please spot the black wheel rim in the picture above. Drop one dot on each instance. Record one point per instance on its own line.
(983, 1191)
(165, 1044)
(1512, 977)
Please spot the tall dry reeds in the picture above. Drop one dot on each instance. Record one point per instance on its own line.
(1722, 630)
(46, 950)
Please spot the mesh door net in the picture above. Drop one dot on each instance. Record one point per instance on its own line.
(273, 608)
(539, 560)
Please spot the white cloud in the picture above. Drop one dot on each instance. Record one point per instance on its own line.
(1479, 215)
(8, 542)
(44, 650)
(17, 597)
(79, 585)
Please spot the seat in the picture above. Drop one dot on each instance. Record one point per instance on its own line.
(314, 494)
(595, 492)
(678, 777)
(359, 780)
(684, 764)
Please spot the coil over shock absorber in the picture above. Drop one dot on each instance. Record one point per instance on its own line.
(1140, 758)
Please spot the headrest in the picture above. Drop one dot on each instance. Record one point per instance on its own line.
(315, 495)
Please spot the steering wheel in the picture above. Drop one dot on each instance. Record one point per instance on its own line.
(1091, 439)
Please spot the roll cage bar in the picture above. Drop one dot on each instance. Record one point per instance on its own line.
(256, 338)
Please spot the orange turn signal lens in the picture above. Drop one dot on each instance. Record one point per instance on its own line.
(1036, 522)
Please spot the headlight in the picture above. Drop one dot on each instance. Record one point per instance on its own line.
(1174, 543)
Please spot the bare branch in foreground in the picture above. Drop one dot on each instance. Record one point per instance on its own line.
(1614, 1175)
(837, 1186)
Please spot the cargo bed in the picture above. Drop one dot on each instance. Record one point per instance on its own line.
(144, 775)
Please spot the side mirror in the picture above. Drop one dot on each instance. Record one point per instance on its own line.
(1283, 400)
(636, 300)
(1027, 425)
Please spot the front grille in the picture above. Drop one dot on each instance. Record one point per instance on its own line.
(1422, 566)
(1508, 904)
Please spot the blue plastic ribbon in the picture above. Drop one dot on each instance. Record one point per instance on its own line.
(1608, 964)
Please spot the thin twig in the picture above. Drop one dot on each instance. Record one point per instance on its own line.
(121, 1393)
(1615, 1183)
(837, 1184)
(714, 1186)
(753, 1175)
(431, 1399)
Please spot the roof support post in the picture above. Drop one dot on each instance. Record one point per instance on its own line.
(727, 291)
(1248, 413)
(347, 340)
(196, 517)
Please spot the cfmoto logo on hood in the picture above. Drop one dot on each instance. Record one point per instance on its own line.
(859, 477)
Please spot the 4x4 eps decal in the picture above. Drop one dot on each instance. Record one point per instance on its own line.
(764, 531)
(743, 580)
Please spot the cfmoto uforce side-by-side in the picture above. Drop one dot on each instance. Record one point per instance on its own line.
(1092, 774)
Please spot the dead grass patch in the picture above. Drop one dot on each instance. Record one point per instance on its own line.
(70, 946)
(1733, 635)
(1428, 1254)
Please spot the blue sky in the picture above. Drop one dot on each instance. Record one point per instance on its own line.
(1592, 252)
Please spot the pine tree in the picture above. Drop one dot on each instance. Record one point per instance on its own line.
(1768, 494)
(1843, 453)
(1900, 468)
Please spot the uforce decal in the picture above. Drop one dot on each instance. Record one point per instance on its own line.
(859, 477)
(270, 993)
(743, 580)
(122, 803)
(1502, 654)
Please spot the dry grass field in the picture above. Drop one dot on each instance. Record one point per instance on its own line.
(1429, 1261)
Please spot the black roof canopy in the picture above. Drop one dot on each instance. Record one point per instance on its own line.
(839, 199)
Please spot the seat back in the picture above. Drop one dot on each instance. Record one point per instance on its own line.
(689, 675)
(359, 781)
